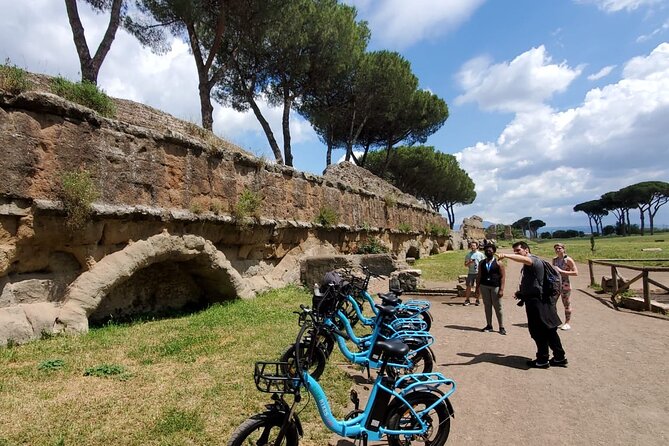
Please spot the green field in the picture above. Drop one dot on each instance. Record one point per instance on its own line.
(179, 381)
(448, 266)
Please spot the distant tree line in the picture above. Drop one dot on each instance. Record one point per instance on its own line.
(305, 56)
(647, 197)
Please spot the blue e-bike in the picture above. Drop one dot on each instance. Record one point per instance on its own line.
(404, 410)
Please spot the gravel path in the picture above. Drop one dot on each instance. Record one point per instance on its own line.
(614, 391)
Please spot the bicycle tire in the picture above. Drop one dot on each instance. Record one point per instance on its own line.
(422, 363)
(316, 364)
(438, 420)
(261, 430)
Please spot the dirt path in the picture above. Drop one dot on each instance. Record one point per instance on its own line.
(614, 392)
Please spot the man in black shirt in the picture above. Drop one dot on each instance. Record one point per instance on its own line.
(542, 316)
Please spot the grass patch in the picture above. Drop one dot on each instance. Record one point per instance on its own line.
(84, 93)
(192, 378)
(106, 371)
(177, 420)
(609, 248)
(51, 364)
(446, 266)
(13, 79)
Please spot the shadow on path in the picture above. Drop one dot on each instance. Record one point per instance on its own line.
(513, 361)
(462, 327)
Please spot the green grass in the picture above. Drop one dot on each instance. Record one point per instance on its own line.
(610, 248)
(448, 266)
(185, 380)
(84, 93)
(444, 267)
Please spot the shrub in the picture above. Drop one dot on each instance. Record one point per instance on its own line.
(439, 231)
(216, 206)
(248, 205)
(13, 79)
(327, 217)
(77, 194)
(391, 201)
(404, 227)
(372, 246)
(84, 93)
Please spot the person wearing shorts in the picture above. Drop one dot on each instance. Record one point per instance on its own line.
(472, 260)
(566, 267)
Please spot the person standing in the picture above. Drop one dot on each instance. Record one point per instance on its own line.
(566, 267)
(472, 259)
(490, 282)
(542, 317)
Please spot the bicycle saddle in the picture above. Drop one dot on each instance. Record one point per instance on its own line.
(389, 299)
(386, 310)
(393, 347)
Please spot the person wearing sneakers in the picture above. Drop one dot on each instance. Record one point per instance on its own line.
(490, 282)
(542, 316)
(472, 259)
(566, 267)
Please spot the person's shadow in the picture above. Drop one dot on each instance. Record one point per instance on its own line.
(513, 361)
(462, 327)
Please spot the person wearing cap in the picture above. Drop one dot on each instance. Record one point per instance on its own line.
(490, 282)
(566, 267)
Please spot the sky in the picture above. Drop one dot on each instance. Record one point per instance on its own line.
(551, 103)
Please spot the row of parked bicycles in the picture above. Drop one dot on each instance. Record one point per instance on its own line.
(408, 402)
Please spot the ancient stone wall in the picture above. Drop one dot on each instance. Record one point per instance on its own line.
(162, 236)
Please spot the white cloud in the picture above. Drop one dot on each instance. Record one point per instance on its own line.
(401, 23)
(619, 5)
(655, 32)
(523, 84)
(601, 73)
(546, 161)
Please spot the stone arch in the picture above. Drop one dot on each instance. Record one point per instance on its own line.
(87, 292)
(413, 251)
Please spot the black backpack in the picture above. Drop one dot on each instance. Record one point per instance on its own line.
(551, 284)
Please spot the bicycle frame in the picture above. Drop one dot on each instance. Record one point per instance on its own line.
(423, 337)
(355, 427)
(394, 325)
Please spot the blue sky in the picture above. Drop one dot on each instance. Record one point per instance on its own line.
(552, 103)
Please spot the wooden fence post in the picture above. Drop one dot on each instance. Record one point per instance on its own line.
(592, 273)
(646, 291)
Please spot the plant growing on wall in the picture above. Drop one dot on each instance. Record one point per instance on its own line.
(248, 205)
(84, 93)
(78, 192)
(372, 246)
(327, 216)
(404, 227)
(13, 79)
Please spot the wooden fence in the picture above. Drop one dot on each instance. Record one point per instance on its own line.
(644, 275)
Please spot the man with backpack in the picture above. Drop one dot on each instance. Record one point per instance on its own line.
(542, 316)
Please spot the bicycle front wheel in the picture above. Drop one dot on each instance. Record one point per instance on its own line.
(262, 430)
(438, 421)
(312, 359)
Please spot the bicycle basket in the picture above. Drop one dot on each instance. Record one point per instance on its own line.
(273, 377)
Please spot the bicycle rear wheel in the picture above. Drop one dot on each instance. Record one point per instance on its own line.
(422, 363)
(262, 430)
(438, 421)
